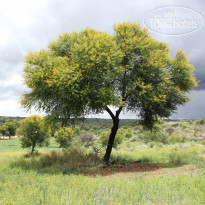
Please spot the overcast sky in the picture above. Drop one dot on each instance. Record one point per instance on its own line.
(28, 25)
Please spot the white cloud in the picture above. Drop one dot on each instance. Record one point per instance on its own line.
(12, 108)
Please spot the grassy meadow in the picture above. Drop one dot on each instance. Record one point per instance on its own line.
(171, 170)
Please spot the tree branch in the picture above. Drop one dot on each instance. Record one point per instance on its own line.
(118, 111)
(110, 112)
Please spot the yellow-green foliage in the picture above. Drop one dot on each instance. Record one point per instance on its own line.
(8, 129)
(128, 133)
(34, 132)
(78, 66)
(64, 136)
(77, 130)
(83, 72)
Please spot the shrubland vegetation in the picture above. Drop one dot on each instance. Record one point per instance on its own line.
(95, 132)
(171, 168)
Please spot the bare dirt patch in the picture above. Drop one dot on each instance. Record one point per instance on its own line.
(139, 168)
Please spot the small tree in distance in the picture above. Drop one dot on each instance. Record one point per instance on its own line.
(64, 136)
(34, 132)
(4, 131)
(11, 128)
(87, 72)
(8, 129)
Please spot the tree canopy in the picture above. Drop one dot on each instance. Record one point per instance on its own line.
(86, 72)
(34, 132)
(64, 136)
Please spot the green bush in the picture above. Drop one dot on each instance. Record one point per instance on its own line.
(104, 137)
(174, 139)
(186, 156)
(64, 137)
(88, 139)
(156, 136)
(176, 157)
(183, 126)
(175, 124)
(77, 130)
(170, 130)
(128, 133)
(200, 121)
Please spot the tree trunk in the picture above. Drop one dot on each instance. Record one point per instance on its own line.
(115, 119)
(33, 147)
(111, 140)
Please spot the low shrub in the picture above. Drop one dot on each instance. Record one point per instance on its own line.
(176, 157)
(183, 126)
(157, 136)
(64, 137)
(173, 139)
(200, 121)
(128, 133)
(170, 130)
(153, 144)
(175, 124)
(88, 139)
(186, 156)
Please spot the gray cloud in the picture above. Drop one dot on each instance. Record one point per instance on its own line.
(12, 92)
(193, 109)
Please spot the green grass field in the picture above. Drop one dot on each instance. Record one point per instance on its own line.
(180, 179)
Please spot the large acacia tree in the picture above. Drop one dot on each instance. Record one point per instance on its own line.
(89, 71)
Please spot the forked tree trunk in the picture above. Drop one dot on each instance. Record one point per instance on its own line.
(115, 119)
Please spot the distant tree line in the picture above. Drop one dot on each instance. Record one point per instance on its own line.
(4, 119)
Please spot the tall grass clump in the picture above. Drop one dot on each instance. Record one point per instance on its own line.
(191, 155)
(179, 155)
(58, 161)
